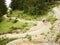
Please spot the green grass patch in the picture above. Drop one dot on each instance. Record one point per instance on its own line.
(5, 25)
(9, 26)
(51, 19)
(24, 26)
(26, 16)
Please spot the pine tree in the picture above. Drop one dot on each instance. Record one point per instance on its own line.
(3, 8)
(34, 7)
(14, 4)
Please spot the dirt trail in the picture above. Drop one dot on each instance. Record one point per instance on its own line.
(55, 31)
(36, 30)
(56, 11)
(19, 42)
(36, 35)
(37, 38)
(39, 33)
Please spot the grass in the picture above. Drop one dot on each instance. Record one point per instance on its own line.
(9, 26)
(51, 19)
(5, 25)
(22, 15)
(24, 26)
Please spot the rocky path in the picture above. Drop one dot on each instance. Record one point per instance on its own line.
(37, 38)
(55, 31)
(36, 35)
(37, 29)
(56, 11)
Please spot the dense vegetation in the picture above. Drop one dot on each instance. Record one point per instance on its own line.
(22, 15)
(3, 9)
(34, 7)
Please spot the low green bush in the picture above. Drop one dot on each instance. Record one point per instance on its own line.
(51, 28)
(15, 21)
(28, 37)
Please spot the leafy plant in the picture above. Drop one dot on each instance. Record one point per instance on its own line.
(28, 36)
(52, 28)
(42, 33)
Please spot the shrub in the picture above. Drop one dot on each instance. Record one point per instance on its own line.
(57, 37)
(4, 41)
(28, 36)
(15, 21)
(52, 28)
(25, 29)
(42, 33)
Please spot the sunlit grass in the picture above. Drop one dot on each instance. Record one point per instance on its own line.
(9, 26)
(58, 37)
(26, 16)
(5, 25)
